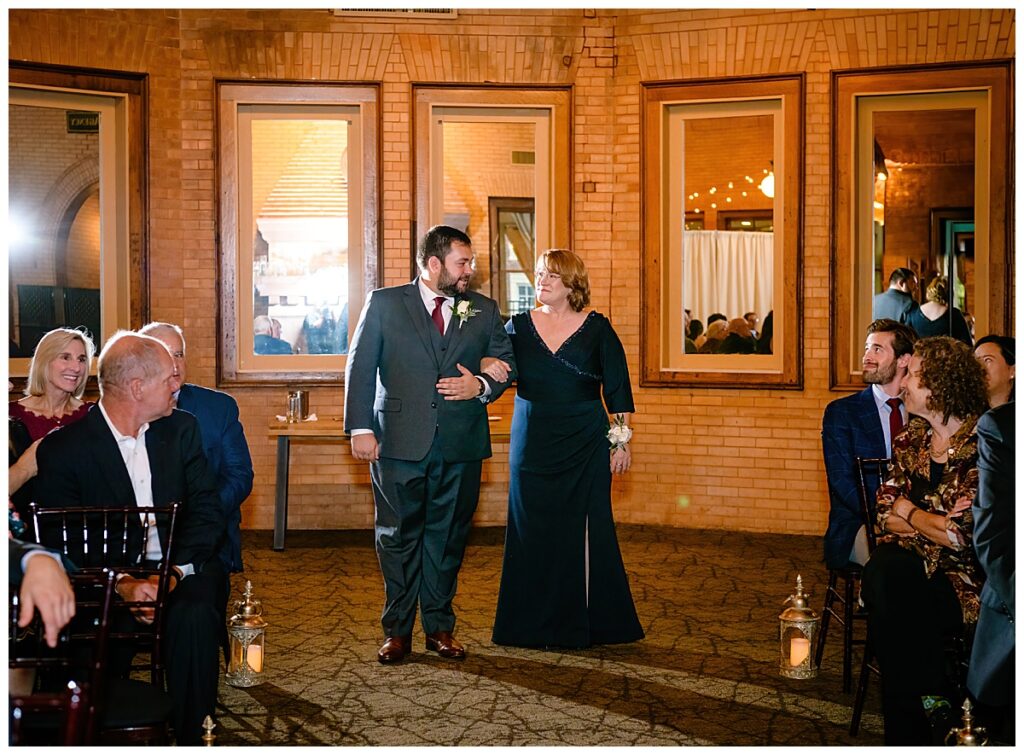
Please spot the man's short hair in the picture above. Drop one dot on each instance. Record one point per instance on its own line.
(437, 242)
(261, 325)
(903, 336)
(714, 316)
(138, 357)
(901, 275)
(150, 327)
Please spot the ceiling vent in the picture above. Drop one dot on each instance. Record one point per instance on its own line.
(438, 13)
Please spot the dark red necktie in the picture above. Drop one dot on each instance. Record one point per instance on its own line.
(438, 318)
(895, 419)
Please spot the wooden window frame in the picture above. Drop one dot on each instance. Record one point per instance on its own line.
(558, 100)
(723, 371)
(133, 210)
(846, 85)
(295, 368)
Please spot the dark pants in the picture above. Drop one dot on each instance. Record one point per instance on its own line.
(190, 650)
(909, 614)
(193, 638)
(423, 513)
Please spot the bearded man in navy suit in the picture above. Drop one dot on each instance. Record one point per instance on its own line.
(861, 425)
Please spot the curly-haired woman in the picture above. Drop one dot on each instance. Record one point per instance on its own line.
(922, 581)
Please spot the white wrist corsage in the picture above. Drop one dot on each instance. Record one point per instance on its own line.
(464, 311)
(619, 434)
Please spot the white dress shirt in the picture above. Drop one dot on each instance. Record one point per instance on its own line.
(136, 460)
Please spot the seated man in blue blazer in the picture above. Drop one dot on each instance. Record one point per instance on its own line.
(863, 425)
(224, 444)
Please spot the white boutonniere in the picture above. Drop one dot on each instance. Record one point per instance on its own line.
(619, 433)
(464, 311)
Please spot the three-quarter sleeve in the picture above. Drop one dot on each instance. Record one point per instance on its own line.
(618, 395)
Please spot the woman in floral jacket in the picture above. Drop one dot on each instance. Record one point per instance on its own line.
(922, 581)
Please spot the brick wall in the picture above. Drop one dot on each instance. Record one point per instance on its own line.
(742, 460)
(83, 255)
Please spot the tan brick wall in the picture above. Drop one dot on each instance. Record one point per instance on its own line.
(83, 256)
(748, 460)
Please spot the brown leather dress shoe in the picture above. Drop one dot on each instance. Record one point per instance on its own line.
(394, 649)
(445, 645)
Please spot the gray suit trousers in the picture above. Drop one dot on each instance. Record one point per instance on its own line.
(423, 513)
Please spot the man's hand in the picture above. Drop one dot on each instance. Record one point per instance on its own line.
(365, 447)
(460, 388)
(46, 587)
(131, 589)
(496, 369)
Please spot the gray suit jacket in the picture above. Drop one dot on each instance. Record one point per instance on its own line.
(893, 305)
(394, 362)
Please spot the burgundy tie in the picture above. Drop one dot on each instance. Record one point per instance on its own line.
(438, 318)
(895, 419)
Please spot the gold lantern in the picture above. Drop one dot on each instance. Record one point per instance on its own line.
(968, 735)
(798, 635)
(246, 632)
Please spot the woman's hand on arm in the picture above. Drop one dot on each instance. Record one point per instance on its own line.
(23, 470)
(896, 522)
(496, 369)
(915, 520)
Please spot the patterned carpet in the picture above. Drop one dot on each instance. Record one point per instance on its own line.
(706, 674)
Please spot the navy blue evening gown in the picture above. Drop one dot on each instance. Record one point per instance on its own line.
(563, 583)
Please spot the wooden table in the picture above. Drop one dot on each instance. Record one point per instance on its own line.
(327, 428)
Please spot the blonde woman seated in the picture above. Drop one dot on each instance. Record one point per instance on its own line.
(53, 397)
(922, 582)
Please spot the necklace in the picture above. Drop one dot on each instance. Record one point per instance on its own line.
(938, 453)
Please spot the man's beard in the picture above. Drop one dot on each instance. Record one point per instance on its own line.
(880, 375)
(449, 284)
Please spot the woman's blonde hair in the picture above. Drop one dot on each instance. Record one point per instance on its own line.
(50, 346)
(574, 275)
(937, 290)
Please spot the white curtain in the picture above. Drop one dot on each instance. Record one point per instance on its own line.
(728, 272)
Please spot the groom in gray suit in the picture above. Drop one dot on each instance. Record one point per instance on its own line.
(416, 411)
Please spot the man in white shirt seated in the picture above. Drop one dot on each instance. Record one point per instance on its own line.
(134, 448)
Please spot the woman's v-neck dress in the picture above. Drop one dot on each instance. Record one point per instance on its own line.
(563, 583)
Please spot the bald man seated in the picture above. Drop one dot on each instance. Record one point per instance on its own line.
(135, 449)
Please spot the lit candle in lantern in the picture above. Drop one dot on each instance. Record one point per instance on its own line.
(799, 649)
(254, 657)
(246, 632)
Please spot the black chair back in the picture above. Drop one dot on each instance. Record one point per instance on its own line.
(53, 702)
(869, 466)
(115, 537)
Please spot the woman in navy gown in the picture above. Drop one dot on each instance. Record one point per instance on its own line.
(563, 583)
